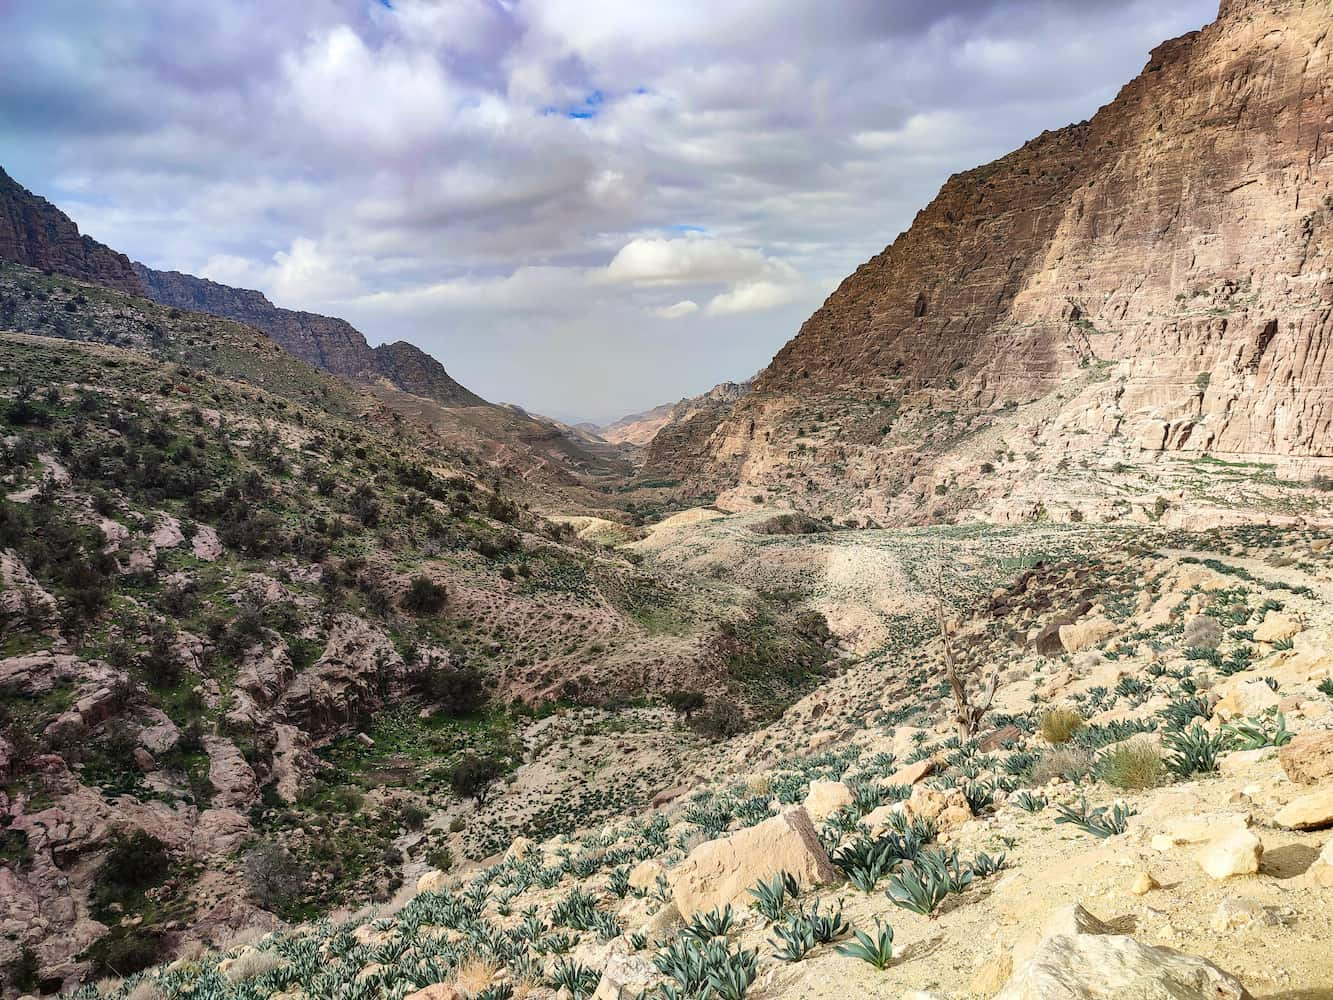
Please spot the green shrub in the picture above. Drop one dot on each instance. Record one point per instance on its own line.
(424, 596)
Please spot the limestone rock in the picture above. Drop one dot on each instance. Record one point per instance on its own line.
(1236, 853)
(436, 991)
(1116, 967)
(913, 773)
(1321, 872)
(1144, 883)
(1084, 634)
(1308, 758)
(433, 881)
(825, 798)
(947, 807)
(1239, 914)
(721, 871)
(1245, 699)
(1275, 627)
(623, 977)
(519, 848)
(644, 874)
(1309, 812)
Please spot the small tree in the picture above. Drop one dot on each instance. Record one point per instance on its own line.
(273, 877)
(685, 703)
(473, 777)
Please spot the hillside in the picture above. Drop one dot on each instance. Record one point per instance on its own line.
(1151, 283)
(240, 597)
(640, 428)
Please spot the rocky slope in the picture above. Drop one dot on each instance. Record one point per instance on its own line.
(241, 597)
(1159, 274)
(640, 428)
(323, 341)
(36, 233)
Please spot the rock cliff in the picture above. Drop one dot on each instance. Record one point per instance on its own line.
(36, 233)
(323, 341)
(1164, 266)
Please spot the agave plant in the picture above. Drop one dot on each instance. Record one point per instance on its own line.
(580, 980)
(1101, 822)
(713, 924)
(771, 896)
(1194, 750)
(877, 950)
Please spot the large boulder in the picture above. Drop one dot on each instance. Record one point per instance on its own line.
(1116, 967)
(1308, 758)
(825, 798)
(1275, 627)
(1245, 698)
(1309, 812)
(721, 871)
(1085, 634)
(1235, 853)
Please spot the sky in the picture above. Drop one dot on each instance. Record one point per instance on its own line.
(587, 207)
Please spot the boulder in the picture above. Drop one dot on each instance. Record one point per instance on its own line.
(519, 848)
(825, 798)
(1067, 920)
(433, 881)
(644, 875)
(623, 977)
(437, 991)
(721, 871)
(947, 807)
(1309, 812)
(1235, 853)
(1085, 634)
(1275, 627)
(1240, 914)
(1116, 967)
(1245, 699)
(913, 773)
(1321, 872)
(1308, 758)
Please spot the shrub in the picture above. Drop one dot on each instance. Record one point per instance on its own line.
(126, 951)
(790, 524)
(424, 596)
(135, 861)
(456, 690)
(473, 777)
(1058, 725)
(252, 963)
(1069, 763)
(273, 878)
(685, 703)
(1133, 764)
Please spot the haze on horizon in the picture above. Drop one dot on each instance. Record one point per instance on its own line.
(584, 208)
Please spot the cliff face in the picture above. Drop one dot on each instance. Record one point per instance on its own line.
(36, 233)
(640, 428)
(1178, 243)
(323, 341)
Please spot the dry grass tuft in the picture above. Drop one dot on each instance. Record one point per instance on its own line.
(476, 973)
(1058, 725)
(1132, 764)
(1069, 763)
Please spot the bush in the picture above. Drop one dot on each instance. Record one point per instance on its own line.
(473, 777)
(273, 878)
(126, 951)
(1058, 725)
(457, 690)
(1069, 763)
(1134, 764)
(685, 703)
(135, 861)
(424, 596)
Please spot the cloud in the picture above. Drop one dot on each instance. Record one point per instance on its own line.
(397, 163)
(677, 310)
(751, 296)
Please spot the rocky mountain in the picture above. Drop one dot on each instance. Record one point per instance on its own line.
(323, 341)
(36, 233)
(1154, 280)
(640, 428)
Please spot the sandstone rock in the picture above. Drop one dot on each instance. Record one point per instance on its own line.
(993, 974)
(1321, 872)
(1143, 884)
(1116, 967)
(1275, 627)
(1237, 762)
(1308, 758)
(913, 773)
(1236, 853)
(519, 848)
(721, 871)
(1199, 828)
(644, 874)
(433, 881)
(1245, 699)
(947, 807)
(825, 798)
(1309, 812)
(1082, 635)
(999, 738)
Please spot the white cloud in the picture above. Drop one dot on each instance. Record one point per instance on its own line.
(677, 310)
(751, 296)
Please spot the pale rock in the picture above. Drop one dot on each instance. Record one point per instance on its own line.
(1308, 758)
(644, 875)
(206, 545)
(433, 881)
(948, 808)
(1239, 914)
(436, 991)
(825, 798)
(1067, 920)
(1144, 883)
(1199, 828)
(993, 974)
(520, 848)
(1244, 699)
(1309, 812)
(1321, 872)
(1275, 627)
(722, 871)
(1236, 853)
(623, 977)
(1239, 761)
(1117, 967)
(1082, 635)
(913, 773)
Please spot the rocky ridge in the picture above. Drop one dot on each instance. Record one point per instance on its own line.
(1158, 277)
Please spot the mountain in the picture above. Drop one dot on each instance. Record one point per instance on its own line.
(36, 233)
(640, 428)
(1153, 282)
(323, 341)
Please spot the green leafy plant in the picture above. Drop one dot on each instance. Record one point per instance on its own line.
(877, 950)
(771, 896)
(1101, 822)
(1260, 731)
(1032, 802)
(1194, 750)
